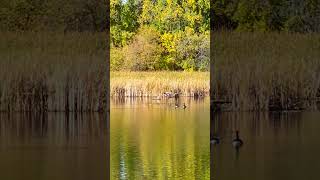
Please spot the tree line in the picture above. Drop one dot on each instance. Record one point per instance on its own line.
(174, 34)
(267, 15)
(167, 15)
(53, 15)
(160, 34)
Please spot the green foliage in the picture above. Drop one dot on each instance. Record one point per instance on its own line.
(143, 53)
(193, 51)
(120, 38)
(251, 16)
(270, 15)
(175, 29)
(116, 59)
(295, 23)
(176, 15)
(144, 34)
(186, 50)
(70, 15)
(156, 39)
(123, 21)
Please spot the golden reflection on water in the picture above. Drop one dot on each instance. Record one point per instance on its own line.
(154, 140)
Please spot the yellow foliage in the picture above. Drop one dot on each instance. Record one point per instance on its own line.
(167, 41)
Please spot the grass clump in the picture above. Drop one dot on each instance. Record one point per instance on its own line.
(266, 71)
(148, 84)
(52, 71)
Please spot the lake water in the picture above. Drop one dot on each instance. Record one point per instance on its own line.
(277, 146)
(151, 139)
(53, 146)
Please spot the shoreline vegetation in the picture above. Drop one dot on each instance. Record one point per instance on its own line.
(159, 84)
(66, 72)
(53, 72)
(266, 56)
(258, 71)
(159, 49)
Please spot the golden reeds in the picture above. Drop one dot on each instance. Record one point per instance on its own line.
(266, 71)
(152, 84)
(52, 71)
(67, 72)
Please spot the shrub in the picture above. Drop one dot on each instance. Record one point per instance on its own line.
(193, 51)
(120, 38)
(144, 52)
(116, 59)
(295, 24)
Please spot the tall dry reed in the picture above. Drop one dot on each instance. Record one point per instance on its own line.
(52, 71)
(266, 71)
(148, 84)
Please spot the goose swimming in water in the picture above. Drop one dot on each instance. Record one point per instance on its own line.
(184, 106)
(156, 98)
(171, 95)
(215, 141)
(237, 142)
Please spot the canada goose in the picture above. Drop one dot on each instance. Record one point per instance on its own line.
(237, 142)
(171, 95)
(184, 106)
(156, 98)
(176, 106)
(215, 141)
(168, 94)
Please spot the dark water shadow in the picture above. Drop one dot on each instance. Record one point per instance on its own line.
(54, 146)
(277, 145)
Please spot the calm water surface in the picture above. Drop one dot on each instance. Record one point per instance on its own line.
(277, 146)
(53, 146)
(152, 139)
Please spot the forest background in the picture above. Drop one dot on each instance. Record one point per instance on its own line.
(160, 34)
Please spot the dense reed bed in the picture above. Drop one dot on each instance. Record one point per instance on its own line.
(266, 71)
(52, 71)
(149, 84)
